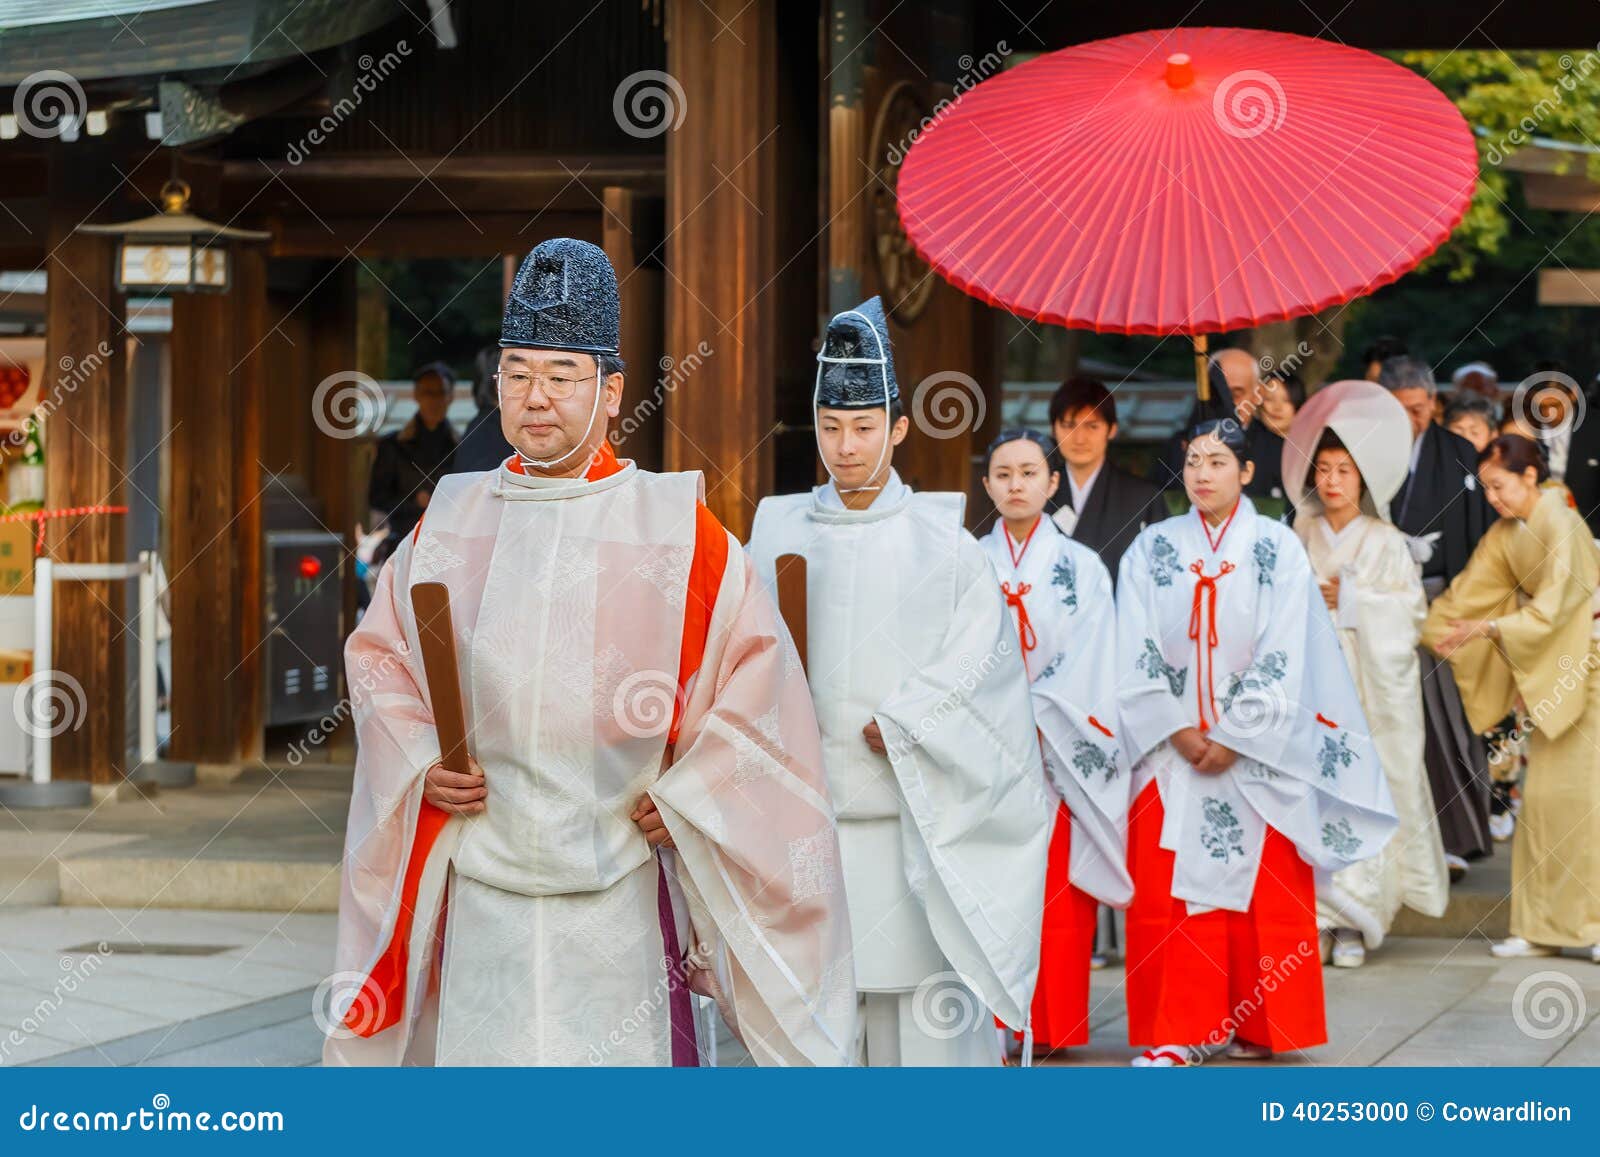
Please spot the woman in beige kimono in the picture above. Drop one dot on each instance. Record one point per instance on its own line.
(1518, 628)
(1353, 441)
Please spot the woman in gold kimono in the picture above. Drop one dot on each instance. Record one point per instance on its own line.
(1518, 628)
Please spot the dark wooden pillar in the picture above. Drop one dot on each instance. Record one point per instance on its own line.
(248, 385)
(201, 567)
(215, 512)
(632, 237)
(339, 467)
(722, 210)
(84, 400)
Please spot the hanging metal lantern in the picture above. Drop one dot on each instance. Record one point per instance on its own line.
(174, 251)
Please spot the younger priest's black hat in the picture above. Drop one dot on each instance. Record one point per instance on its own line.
(856, 360)
(564, 298)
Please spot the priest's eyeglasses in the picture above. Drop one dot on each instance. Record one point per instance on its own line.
(516, 384)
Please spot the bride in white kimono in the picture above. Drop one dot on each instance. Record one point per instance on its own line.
(1253, 766)
(1353, 439)
(1060, 595)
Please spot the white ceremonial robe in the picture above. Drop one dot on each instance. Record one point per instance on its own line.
(569, 604)
(1065, 591)
(945, 840)
(1236, 636)
(1379, 620)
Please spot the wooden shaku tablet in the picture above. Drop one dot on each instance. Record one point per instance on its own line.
(791, 575)
(430, 603)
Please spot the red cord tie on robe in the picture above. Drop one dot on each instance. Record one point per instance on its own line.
(1024, 626)
(1205, 608)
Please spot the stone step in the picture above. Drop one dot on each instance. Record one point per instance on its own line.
(1480, 904)
(26, 882)
(233, 885)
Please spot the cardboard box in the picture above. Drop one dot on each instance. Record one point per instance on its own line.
(16, 558)
(15, 666)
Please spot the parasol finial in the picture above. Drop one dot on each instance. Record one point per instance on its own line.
(1180, 70)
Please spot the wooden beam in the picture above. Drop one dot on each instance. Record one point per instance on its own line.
(449, 234)
(1569, 287)
(1577, 194)
(721, 249)
(597, 170)
(84, 403)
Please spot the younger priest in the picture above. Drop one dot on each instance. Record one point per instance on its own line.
(927, 735)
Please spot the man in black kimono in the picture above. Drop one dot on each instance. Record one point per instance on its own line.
(1235, 371)
(484, 445)
(1098, 504)
(410, 461)
(1440, 507)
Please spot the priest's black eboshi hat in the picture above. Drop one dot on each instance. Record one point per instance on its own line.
(856, 361)
(564, 298)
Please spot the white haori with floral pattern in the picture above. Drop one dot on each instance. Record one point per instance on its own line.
(1225, 629)
(1065, 592)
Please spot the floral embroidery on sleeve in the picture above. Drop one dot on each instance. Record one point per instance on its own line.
(1266, 552)
(1223, 836)
(1066, 579)
(1088, 758)
(1258, 676)
(1340, 839)
(1333, 756)
(1153, 665)
(1163, 561)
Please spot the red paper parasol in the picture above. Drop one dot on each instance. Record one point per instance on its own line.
(1187, 181)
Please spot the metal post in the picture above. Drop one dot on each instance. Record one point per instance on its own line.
(147, 657)
(43, 667)
(38, 789)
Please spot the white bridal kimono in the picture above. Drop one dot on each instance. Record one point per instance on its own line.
(1379, 619)
(945, 839)
(546, 931)
(1062, 592)
(1235, 635)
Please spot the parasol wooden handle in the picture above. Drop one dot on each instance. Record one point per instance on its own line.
(1202, 368)
(430, 603)
(791, 574)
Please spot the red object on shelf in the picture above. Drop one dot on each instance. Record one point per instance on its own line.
(310, 566)
(1187, 181)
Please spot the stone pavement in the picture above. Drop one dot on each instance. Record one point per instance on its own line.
(184, 987)
(268, 839)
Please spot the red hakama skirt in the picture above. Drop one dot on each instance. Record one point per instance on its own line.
(1194, 980)
(1061, 996)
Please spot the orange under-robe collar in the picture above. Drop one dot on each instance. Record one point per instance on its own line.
(603, 465)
